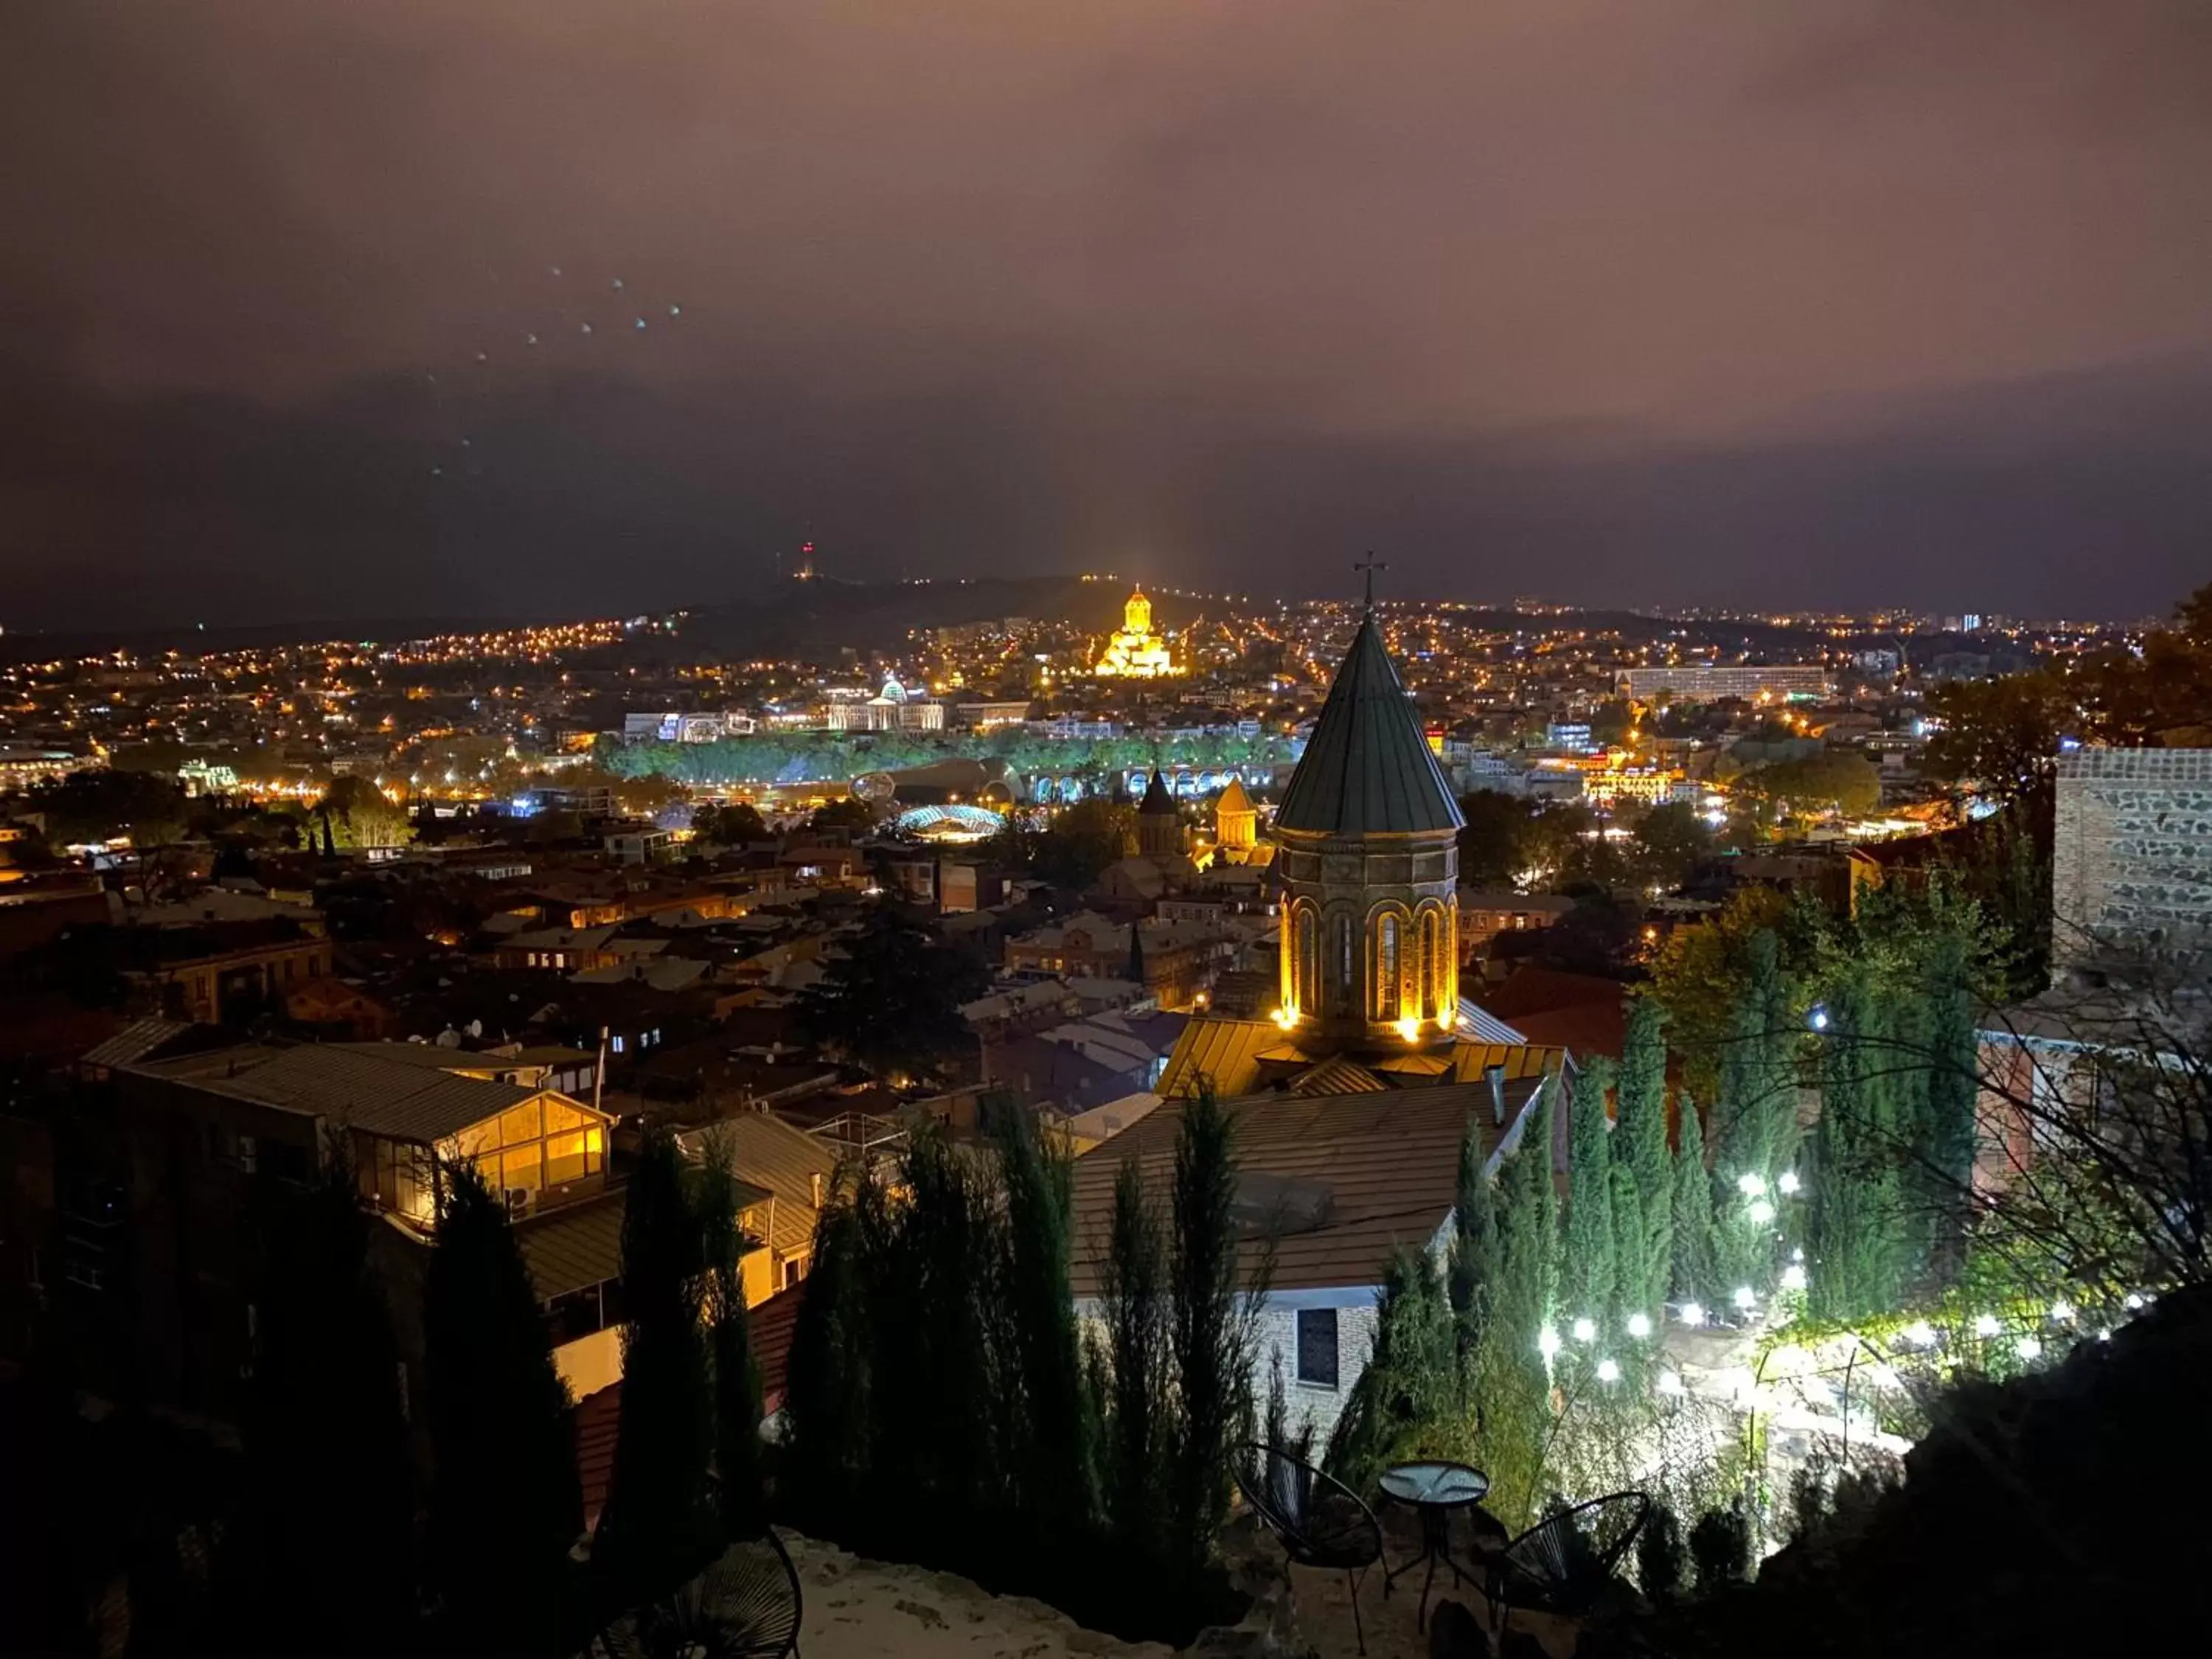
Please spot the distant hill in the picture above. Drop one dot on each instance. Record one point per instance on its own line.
(818, 616)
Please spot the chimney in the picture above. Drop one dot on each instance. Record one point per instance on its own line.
(814, 1181)
(1496, 1074)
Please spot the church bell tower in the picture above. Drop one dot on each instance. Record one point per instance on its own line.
(1369, 832)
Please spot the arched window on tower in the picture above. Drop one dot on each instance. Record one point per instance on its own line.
(1347, 971)
(1430, 927)
(1384, 995)
(1306, 984)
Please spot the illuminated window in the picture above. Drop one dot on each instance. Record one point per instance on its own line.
(1384, 994)
(618, 1045)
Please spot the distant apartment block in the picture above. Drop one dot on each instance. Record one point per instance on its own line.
(1709, 682)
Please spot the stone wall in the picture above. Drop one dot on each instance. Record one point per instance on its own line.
(1307, 1403)
(2131, 861)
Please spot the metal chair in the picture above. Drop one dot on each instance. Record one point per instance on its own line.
(1563, 1562)
(745, 1604)
(1320, 1522)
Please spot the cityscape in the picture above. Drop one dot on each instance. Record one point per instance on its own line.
(838, 832)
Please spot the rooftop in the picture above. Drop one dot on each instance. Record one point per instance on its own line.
(1368, 769)
(405, 1100)
(1375, 1172)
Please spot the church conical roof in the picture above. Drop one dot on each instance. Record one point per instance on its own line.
(1368, 769)
(1233, 799)
(1156, 798)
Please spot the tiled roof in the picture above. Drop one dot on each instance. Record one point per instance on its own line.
(768, 1152)
(364, 1091)
(574, 1246)
(135, 1042)
(1339, 1076)
(1226, 1051)
(1237, 1055)
(1390, 1164)
(1368, 768)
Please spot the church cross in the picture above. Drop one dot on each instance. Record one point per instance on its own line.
(1370, 564)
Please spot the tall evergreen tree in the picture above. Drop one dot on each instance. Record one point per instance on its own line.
(1513, 1383)
(1408, 1386)
(1135, 972)
(1777, 1054)
(1948, 1127)
(1133, 1288)
(1695, 1267)
(735, 1374)
(1472, 1277)
(1852, 1212)
(1756, 1113)
(330, 1522)
(505, 1507)
(1052, 1470)
(1640, 1142)
(657, 1524)
(830, 1377)
(1207, 1331)
(1589, 1269)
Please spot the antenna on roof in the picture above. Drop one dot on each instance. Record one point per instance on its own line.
(1370, 564)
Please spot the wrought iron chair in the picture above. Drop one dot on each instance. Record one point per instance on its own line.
(1320, 1522)
(745, 1604)
(1563, 1562)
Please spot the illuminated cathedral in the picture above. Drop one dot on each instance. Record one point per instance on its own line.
(1135, 653)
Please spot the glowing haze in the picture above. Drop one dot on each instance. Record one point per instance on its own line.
(1657, 300)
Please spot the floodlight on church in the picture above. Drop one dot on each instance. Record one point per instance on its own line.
(1410, 1028)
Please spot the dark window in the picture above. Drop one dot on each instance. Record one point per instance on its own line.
(1318, 1346)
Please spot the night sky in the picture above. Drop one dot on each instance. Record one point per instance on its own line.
(1718, 301)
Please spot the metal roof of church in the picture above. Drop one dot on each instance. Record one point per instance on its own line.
(1368, 768)
(1156, 798)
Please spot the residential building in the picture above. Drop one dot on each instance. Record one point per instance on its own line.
(1704, 682)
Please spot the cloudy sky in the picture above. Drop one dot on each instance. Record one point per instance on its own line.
(321, 309)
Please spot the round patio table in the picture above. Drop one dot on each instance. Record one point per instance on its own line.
(1434, 1489)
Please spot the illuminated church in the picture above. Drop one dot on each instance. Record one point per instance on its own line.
(1367, 840)
(1135, 653)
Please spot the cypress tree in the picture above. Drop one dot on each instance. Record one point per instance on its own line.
(1776, 1056)
(657, 1524)
(1408, 1387)
(1640, 1147)
(1135, 972)
(1513, 1383)
(736, 1376)
(1473, 1268)
(1852, 1207)
(330, 1523)
(1133, 1288)
(1696, 1270)
(1205, 1332)
(1756, 1114)
(1052, 1471)
(1588, 1270)
(1948, 1127)
(505, 1508)
(830, 1380)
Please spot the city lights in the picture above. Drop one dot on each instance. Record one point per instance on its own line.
(1585, 1330)
(1639, 1325)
